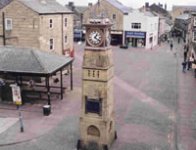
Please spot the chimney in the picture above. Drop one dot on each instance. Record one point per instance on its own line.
(90, 4)
(71, 5)
(165, 6)
(147, 4)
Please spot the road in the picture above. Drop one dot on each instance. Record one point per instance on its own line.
(154, 103)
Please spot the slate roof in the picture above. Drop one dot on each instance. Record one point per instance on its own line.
(158, 9)
(80, 9)
(183, 17)
(45, 6)
(30, 61)
(119, 6)
(188, 7)
(4, 3)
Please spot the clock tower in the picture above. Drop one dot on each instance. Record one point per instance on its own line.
(97, 125)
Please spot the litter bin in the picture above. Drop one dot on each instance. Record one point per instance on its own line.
(46, 110)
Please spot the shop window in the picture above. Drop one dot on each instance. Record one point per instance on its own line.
(136, 25)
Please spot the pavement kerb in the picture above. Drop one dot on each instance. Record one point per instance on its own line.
(22, 141)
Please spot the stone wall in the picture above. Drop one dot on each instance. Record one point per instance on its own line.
(107, 9)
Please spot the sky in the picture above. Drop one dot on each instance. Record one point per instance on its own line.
(135, 3)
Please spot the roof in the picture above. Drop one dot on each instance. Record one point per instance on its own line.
(188, 7)
(158, 9)
(119, 6)
(81, 9)
(45, 6)
(30, 61)
(4, 3)
(183, 17)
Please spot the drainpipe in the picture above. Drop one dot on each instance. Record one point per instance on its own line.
(62, 44)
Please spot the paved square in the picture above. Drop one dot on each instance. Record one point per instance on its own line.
(6, 123)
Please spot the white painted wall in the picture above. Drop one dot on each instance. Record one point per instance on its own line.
(149, 24)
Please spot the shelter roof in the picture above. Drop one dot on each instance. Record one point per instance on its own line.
(30, 61)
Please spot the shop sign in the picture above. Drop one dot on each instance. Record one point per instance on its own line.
(116, 32)
(16, 94)
(135, 34)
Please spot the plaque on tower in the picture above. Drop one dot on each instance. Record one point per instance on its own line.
(97, 125)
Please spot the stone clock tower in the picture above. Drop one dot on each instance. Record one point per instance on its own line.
(97, 125)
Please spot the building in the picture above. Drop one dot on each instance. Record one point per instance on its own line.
(141, 29)
(181, 25)
(192, 35)
(115, 11)
(165, 22)
(158, 9)
(178, 10)
(40, 24)
(78, 20)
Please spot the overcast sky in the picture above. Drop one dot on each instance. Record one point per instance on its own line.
(135, 3)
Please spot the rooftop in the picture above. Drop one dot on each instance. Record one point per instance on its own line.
(30, 61)
(120, 6)
(4, 3)
(183, 17)
(45, 6)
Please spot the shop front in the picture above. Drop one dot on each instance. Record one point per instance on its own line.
(116, 37)
(135, 39)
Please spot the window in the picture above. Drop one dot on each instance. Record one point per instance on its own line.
(51, 44)
(194, 22)
(50, 23)
(65, 22)
(93, 105)
(8, 24)
(114, 16)
(136, 25)
(194, 36)
(66, 39)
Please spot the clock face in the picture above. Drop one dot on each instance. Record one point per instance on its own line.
(95, 37)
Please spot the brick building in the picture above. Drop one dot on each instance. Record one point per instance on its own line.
(41, 24)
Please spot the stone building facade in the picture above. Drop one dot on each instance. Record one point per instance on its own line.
(115, 11)
(40, 24)
(178, 10)
(141, 29)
